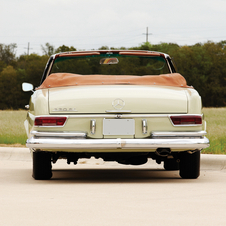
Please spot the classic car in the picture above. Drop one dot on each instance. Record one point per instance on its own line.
(119, 105)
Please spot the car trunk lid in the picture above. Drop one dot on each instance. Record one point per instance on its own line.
(117, 98)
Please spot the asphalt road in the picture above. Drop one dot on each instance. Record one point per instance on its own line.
(98, 193)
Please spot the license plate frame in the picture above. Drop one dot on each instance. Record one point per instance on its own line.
(118, 127)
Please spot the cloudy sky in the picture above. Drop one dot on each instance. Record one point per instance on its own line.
(90, 24)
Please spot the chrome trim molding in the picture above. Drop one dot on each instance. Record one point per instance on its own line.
(118, 111)
(59, 134)
(122, 116)
(179, 134)
(140, 144)
(113, 114)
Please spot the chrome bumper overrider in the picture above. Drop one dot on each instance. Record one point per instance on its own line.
(59, 143)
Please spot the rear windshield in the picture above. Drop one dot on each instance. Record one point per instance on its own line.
(111, 64)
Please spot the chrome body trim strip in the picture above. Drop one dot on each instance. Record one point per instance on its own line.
(118, 111)
(179, 134)
(59, 134)
(139, 144)
(116, 115)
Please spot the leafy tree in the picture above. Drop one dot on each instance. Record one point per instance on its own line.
(48, 49)
(64, 48)
(32, 67)
(9, 88)
(2, 65)
(143, 46)
(104, 48)
(7, 55)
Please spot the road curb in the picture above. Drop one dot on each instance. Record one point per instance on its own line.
(213, 162)
(208, 161)
(15, 154)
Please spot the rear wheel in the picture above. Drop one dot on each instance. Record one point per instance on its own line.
(42, 168)
(190, 164)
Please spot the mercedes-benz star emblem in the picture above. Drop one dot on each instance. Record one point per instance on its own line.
(118, 104)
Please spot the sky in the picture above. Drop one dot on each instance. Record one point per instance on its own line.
(90, 24)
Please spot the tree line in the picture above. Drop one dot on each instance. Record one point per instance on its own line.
(203, 65)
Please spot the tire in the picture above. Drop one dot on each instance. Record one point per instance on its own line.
(42, 167)
(190, 164)
(171, 164)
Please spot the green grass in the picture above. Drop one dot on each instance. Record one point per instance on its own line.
(12, 130)
(216, 129)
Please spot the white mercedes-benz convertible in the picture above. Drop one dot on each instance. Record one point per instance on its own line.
(119, 105)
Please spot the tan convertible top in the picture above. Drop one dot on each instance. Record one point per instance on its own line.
(67, 79)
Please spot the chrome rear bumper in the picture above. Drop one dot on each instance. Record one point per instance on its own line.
(61, 143)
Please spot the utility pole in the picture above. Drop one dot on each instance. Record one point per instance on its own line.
(28, 48)
(147, 34)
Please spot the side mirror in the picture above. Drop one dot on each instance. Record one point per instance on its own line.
(27, 87)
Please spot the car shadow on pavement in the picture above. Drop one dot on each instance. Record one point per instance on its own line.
(114, 175)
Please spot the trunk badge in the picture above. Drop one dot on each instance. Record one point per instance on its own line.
(118, 104)
(65, 109)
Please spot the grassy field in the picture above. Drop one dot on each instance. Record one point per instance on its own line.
(12, 130)
(216, 129)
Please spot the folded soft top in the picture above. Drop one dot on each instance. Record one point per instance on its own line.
(67, 79)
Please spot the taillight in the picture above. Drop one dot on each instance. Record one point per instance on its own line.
(50, 121)
(186, 120)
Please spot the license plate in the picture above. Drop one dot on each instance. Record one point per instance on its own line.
(118, 127)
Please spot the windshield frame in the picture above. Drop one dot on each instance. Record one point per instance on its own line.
(52, 59)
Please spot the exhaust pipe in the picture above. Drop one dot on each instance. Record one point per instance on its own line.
(163, 152)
